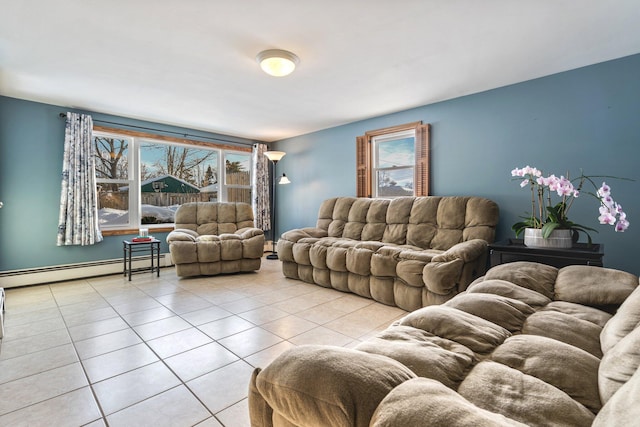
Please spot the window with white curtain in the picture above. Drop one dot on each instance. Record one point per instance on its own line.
(142, 181)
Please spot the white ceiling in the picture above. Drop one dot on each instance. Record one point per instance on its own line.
(192, 62)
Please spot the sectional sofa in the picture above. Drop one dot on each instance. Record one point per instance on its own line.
(408, 252)
(527, 344)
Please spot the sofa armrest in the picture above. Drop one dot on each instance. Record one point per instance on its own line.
(313, 385)
(467, 251)
(291, 239)
(182, 235)
(303, 233)
(442, 274)
(249, 232)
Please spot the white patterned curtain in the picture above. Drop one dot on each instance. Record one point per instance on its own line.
(260, 187)
(78, 222)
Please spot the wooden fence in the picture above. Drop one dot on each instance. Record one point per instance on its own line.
(120, 200)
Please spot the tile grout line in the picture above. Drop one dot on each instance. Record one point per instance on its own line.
(84, 371)
(79, 361)
(249, 294)
(160, 359)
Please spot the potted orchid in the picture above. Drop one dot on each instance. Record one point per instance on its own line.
(548, 217)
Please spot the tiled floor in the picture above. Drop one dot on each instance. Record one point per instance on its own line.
(162, 351)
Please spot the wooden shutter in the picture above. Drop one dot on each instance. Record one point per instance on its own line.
(422, 161)
(363, 166)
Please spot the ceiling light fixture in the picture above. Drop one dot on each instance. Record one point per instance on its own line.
(277, 62)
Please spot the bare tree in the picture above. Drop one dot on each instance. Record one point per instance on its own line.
(182, 162)
(111, 157)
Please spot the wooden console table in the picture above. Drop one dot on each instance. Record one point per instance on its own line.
(514, 250)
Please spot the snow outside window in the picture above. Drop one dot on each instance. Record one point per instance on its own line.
(142, 182)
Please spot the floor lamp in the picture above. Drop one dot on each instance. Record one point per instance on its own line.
(274, 157)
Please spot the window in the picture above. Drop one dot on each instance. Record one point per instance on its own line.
(393, 162)
(114, 177)
(164, 175)
(237, 176)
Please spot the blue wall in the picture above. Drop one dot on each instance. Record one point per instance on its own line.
(31, 151)
(587, 118)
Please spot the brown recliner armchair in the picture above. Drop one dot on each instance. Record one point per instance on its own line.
(213, 238)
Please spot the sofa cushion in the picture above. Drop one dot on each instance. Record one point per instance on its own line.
(506, 312)
(481, 219)
(619, 364)
(359, 260)
(325, 213)
(509, 290)
(411, 264)
(524, 398)
(424, 402)
(340, 216)
(626, 320)
(186, 216)
(594, 287)
(479, 335)
(622, 409)
(565, 328)
(427, 355)
(375, 222)
(423, 226)
(579, 311)
(209, 213)
(568, 368)
(347, 387)
(537, 277)
(398, 215)
(208, 249)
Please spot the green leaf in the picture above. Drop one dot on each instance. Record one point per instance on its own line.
(548, 228)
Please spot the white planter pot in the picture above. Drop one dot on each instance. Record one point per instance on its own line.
(558, 239)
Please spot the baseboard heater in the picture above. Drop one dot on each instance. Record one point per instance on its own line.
(83, 270)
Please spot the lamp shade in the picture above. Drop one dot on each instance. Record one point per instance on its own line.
(274, 156)
(277, 62)
(284, 179)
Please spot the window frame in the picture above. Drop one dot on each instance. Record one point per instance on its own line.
(132, 171)
(136, 139)
(226, 186)
(376, 143)
(366, 169)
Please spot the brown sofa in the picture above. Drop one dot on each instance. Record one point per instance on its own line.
(213, 238)
(527, 344)
(409, 252)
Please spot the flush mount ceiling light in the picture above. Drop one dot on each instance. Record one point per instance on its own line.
(277, 62)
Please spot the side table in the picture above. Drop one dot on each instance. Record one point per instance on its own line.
(151, 246)
(514, 250)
